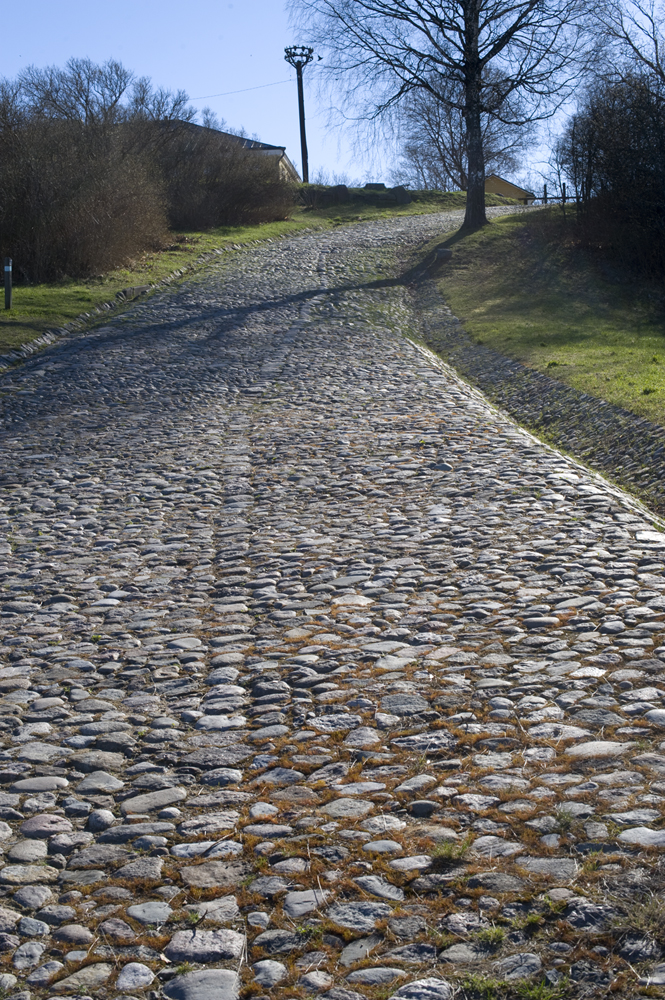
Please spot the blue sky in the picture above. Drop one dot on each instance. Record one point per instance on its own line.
(203, 47)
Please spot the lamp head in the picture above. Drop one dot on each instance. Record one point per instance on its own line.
(299, 56)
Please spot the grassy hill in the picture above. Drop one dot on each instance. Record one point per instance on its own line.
(529, 287)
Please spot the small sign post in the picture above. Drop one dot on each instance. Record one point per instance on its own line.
(8, 282)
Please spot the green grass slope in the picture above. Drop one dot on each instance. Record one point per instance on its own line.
(526, 286)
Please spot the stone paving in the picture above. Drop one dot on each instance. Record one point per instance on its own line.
(318, 675)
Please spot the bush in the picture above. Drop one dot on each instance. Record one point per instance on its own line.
(613, 151)
(315, 196)
(95, 165)
(73, 202)
(212, 179)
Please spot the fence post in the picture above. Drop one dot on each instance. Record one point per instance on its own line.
(563, 199)
(8, 282)
(544, 194)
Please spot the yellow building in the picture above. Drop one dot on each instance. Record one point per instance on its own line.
(497, 185)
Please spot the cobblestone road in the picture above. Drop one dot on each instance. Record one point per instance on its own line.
(318, 676)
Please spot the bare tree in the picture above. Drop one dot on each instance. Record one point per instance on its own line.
(158, 105)
(637, 27)
(82, 91)
(434, 143)
(13, 112)
(613, 152)
(387, 50)
(209, 119)
(99, 95)
(95, 163)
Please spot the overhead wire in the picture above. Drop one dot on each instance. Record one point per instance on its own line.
(228, 93)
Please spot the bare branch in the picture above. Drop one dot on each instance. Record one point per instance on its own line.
(480, 58)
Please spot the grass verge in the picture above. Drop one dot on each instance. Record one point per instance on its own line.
(527, 287)
(37, 308)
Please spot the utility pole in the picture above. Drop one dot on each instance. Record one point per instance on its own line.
(300, 56)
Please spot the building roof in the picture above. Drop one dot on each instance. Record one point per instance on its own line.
(511, 190)
(240, 139)
(286, 168)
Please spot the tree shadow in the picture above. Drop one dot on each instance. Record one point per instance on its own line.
(190, 342)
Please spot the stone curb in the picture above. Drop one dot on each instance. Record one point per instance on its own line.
(629, 448)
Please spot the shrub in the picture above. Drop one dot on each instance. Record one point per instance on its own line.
(95, 165)
(73, 202)
(613, 151)
(213, 179)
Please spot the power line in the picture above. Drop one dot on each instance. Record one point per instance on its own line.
(246, 89)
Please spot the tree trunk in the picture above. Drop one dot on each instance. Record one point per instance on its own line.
(475, 193)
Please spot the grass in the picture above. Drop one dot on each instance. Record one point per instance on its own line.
(492, 937)
(450, 850)
(37, 308)
(481, 987)
(541, 991)
(564, 818)
(527, 287)
(646, 917)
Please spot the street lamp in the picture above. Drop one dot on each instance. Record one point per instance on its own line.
(300, 56)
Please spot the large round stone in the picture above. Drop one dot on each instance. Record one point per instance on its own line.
(207, 984)
(268, 972)
(73, 934)
(348, 808)
(204, 946)
(153, 912)
(134, 976)
(362, 916)
(45, 825)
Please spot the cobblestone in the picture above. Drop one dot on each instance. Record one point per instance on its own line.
(617, 442)
(317, 673)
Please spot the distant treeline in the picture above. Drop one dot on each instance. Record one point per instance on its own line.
(96, 165)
